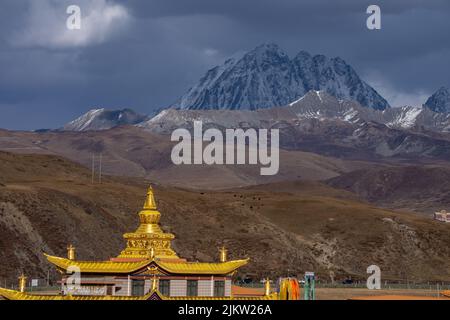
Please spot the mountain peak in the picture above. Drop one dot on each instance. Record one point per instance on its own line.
(266, 77)
(267, 51)
(439, 101)
(102, 119)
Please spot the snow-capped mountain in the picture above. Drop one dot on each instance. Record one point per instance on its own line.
(314, 105)
(439, 101)
(416, 117)
(102, 119)
(321, 105)
(266, 77)
(319, 122)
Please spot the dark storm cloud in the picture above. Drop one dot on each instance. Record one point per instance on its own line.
(154, 50)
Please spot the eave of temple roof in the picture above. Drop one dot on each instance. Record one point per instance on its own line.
(16, 295)
(111, 267)
(97, 266)
(220, 268)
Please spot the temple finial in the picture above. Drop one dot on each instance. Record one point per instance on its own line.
(150, 203)
(22, 282)
(223, 256)
(71, 252)
(267, 288)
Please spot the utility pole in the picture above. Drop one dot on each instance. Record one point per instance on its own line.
(93, 168)
(100, 169)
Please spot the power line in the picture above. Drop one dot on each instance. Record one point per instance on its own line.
(100, 168)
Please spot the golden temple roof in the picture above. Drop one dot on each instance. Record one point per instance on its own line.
(98, 266)
(220, 268)
(202, 268)
(148, 245)
(148, 251)
(16, 295)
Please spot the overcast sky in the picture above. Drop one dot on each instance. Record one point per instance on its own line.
(144, 54)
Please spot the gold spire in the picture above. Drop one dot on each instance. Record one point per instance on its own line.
(267, 288)
(149, 216)
(22, 283)
(150, 203)
(71, 252)
(223, 254)
(149, 241)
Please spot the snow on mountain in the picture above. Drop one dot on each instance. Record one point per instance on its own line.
(102, 119)
(409, 117)
(403, 117)
(439, 101)
(321, 105)
(314, 105)
(319, 122)
(266, 77)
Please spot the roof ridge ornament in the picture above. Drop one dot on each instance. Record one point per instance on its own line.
(223, 256)
(22, 283)
(71, 252)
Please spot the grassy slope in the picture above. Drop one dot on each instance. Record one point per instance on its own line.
(285, 228)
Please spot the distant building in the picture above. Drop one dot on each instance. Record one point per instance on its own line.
(442, 216)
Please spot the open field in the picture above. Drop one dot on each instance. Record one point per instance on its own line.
(349, 293)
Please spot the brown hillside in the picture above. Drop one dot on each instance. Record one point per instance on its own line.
(423, 189)
(47, 202)
(130, 151)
